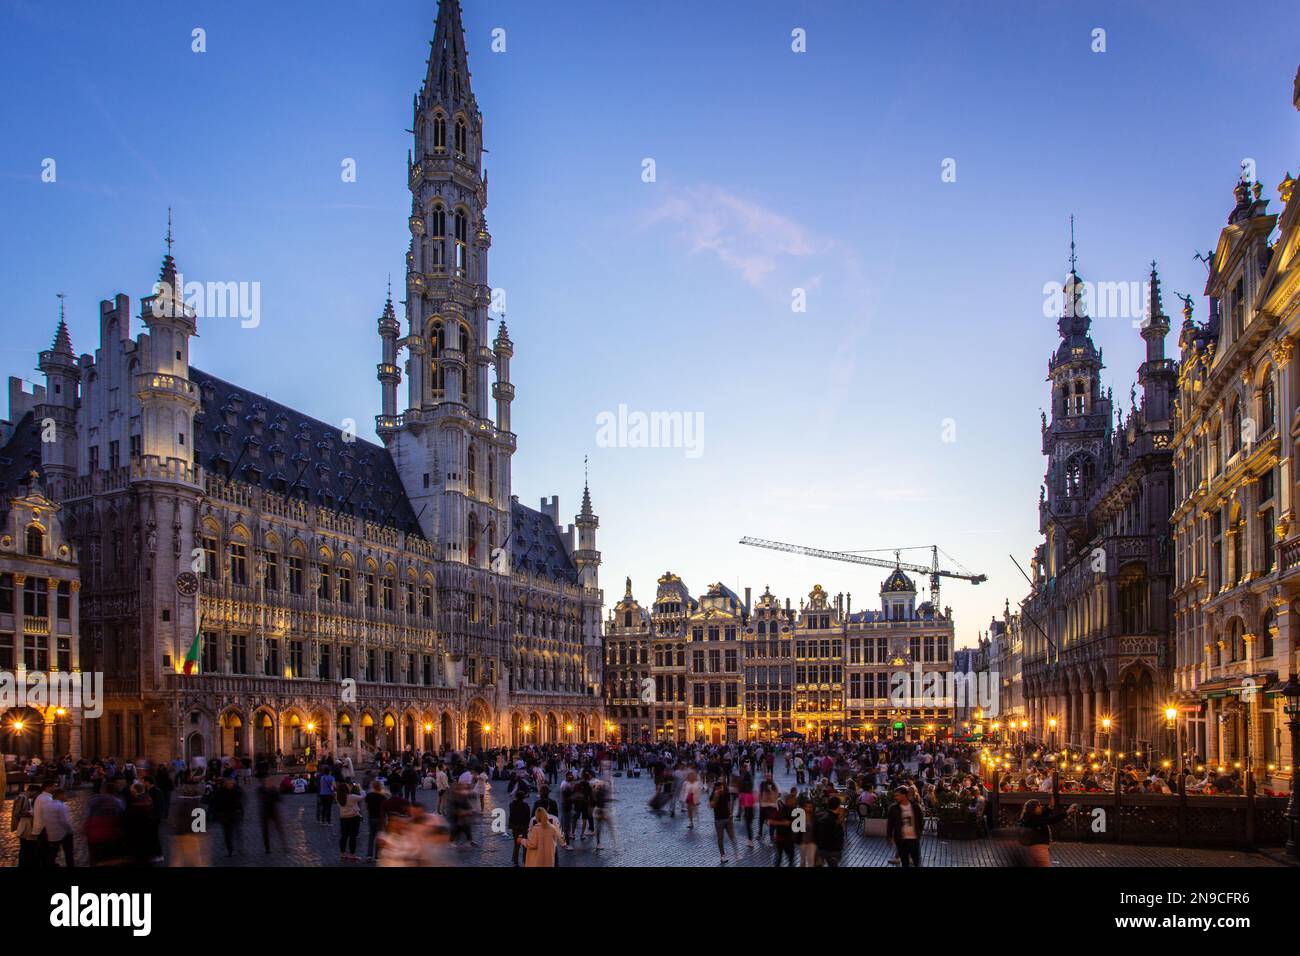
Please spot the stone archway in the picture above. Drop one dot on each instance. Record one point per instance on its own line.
(448, 729)
(1137, 705)
(233, 735)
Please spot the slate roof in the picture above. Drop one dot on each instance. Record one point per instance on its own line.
(537, 547)
(20, 455)
(897, 581)
(246, 437)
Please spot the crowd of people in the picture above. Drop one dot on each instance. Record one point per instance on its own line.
(563, 796)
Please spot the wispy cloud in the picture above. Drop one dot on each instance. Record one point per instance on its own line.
(744, 235)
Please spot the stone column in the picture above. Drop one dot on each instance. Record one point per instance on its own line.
(1285, 404)
(52, 615)
(20, 627)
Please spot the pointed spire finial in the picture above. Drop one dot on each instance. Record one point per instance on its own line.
(586, 490)
(1073, 258)
(62, 340)
(1155, 306)
(169, 230)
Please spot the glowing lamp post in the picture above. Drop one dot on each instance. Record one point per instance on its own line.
(1291, 696)
(1171, 728)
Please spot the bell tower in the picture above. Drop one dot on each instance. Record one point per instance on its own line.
(1076, 433)
(453, 458)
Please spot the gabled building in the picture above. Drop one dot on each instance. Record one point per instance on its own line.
(1097, 647)
(1236, 538)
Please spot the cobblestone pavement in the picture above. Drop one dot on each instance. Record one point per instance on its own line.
(644, 838)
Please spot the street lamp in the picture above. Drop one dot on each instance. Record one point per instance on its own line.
(1171, 726)
(1105, 729)
(1051, 725)
(1291, 693)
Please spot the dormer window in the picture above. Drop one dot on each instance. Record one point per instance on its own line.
(35, 542)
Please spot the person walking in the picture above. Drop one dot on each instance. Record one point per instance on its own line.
(58, 829)
(781, 826)
(747, 802)
(804, 837)
(519, 818)
(828, 833)
(20, 823)
(543, 837)
(268, 801)
(187, 844)
(903, 827)
(350, 802)
(723, 825)
(325, 797)
(374, 801)
(228, 808)
(1036, 830)
(693, 791)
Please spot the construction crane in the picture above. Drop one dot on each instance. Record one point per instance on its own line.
(934, 571)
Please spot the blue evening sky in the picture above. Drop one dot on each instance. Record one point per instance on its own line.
(775, 171)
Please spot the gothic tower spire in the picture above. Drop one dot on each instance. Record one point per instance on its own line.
(62, 377)
(1156, 374)
(447, 79)
(454, 458)
(1079, 424)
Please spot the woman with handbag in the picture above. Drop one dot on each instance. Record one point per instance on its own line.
(1036, 829)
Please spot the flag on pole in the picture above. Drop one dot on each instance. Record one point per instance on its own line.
(192, 657)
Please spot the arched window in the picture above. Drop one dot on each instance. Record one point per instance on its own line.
(1078, 476)
(471, 536)
(1267, 404)
(1236, 641)
(471, 470)
(438, 227)
(460, 134)
(462, 241)
(1267, 627)
(439, 132)
(35, 541)
(1079, 398)
(438, 342)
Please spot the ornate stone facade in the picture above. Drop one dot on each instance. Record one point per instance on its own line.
(347, 596)
(721, 668)
(1095, 625)
(1235, 534)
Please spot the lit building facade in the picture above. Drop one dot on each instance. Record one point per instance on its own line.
(349, 596)
(725, 668)
(1097, 659)
(1236, 538)
(40, 607)
(892, 655)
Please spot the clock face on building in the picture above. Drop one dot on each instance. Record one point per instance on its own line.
(187, 583)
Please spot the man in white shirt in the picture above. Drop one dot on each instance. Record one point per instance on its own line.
(58, 828)
(40, 808)
(443, 784)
